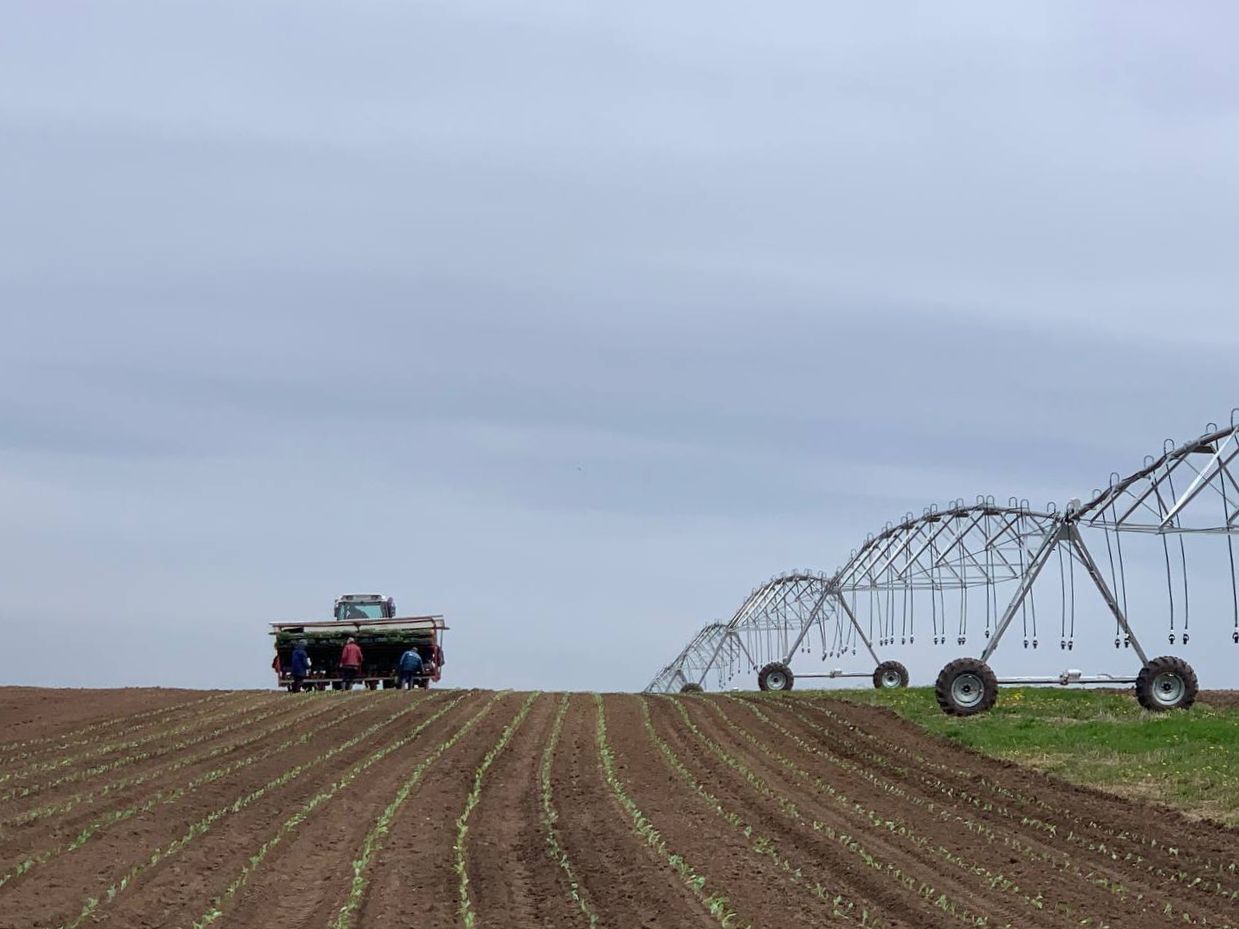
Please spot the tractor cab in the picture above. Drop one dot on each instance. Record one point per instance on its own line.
(364, 606)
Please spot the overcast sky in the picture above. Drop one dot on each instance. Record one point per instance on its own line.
(570, 321)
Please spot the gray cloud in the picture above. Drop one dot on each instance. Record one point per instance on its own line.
(575, 324)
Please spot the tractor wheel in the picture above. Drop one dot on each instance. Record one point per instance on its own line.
(691, 688)
(1166, 683)
(776, 676)
(890, 674)
(966, 686)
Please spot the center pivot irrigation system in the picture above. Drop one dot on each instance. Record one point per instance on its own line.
(976, 565)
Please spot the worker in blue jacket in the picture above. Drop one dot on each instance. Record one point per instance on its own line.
(301, 665)
(409, 667)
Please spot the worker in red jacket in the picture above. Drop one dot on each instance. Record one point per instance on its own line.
(350, 662)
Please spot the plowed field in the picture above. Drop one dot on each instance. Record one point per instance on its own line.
(468, 808)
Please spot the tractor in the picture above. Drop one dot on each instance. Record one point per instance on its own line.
(371, 620)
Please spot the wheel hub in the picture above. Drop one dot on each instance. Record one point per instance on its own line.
(967, 690)
(776, 680)
(1168, 689)
(890, 679)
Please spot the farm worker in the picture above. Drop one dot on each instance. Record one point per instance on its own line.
(301, 665)
(410, 667)
(350, 662)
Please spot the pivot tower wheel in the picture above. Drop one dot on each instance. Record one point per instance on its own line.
(1166, 683)
(890, 674)
(691, 688)
(775, 676)
(965, 687)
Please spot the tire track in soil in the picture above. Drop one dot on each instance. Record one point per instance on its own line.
(512, 879)
(963, 856)
(306, 869)
(58, 811)
(1104, 832)
(66, 882)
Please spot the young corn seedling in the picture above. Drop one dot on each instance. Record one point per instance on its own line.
(373, 841)
(550, 816)
(715, 903)
(465, 908)
(216, 910)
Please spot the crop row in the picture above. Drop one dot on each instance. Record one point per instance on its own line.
(550, 816)
(841, 907)
(94, 732)
(995, 881)
(922, 889)
(64, 761)
(215, 911)
(124, 761)
(205, 824)
(160, 798)
(1107, 851)
(1069, 821)
(714, 901)
(466, 911)
(930, 848)
(882, 821)
(373, 841)
(50, 811)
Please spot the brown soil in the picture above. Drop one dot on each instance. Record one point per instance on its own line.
(1220, 699)
(782, 813)
(40, 713)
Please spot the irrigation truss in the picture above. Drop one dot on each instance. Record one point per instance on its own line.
(967, 575)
